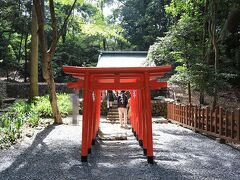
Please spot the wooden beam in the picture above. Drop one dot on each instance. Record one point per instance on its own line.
(76, 85)
(113, 70)
(157, 85)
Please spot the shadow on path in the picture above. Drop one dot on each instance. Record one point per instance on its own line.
(60, 159)
(179, 154)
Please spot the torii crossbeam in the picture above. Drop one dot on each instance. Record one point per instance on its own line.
(139, 80)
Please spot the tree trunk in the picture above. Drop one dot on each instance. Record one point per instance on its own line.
(104, 44)
(46, 61)
(215, 47)
(201, 98)
(52, 93)
(104, 41)
(19, 55)
(6, 55)
(47, 54)
(204, 60)
(64, 35)
(26, 58)
(34, 57)
(20, 48)
(189, 93)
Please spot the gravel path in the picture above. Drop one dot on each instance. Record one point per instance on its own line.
(179, 154)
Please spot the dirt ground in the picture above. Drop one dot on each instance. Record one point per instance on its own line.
(228, 99)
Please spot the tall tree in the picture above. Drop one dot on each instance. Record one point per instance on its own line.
(144, 21)
(49, 51)
(101, 4)
(34, 56)
(213, 8)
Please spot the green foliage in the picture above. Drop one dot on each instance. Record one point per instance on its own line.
(181, 47)
(69, 2)
(187, 45)
(79, 44)
(65, 104)
(21, 113)
(76, 51)
(14, 30)
(43, 108)
(161, 51)
(144, 21)
(12, 121)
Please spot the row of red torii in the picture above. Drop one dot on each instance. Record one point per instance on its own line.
(138, 80)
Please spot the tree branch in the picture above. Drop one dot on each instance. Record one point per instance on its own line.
(54, 22)
(58, 34)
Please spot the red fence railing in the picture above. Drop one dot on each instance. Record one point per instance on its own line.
(219, 123)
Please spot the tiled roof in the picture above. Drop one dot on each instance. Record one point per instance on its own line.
(122, 59)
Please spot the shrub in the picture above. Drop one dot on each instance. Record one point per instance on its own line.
(21, 113)
(10, 125)
(43, 107)
(65, 104)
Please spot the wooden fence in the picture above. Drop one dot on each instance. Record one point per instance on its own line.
(218, 123)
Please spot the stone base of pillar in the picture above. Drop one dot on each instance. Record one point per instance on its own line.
(150, 159)
(84, 158)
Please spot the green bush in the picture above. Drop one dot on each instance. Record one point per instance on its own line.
(10, 125)
(64, 104)
(21, 113)
(43, 107)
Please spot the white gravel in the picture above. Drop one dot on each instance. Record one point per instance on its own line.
(54, 153)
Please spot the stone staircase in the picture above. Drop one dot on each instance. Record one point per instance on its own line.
(112, 115)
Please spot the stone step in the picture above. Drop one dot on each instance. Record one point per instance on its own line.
(112, 122)
(113, 118)
(112, 113)
(9, 100)
(113, 109)
(114, 105)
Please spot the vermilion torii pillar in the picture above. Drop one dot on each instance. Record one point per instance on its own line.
(139, 80)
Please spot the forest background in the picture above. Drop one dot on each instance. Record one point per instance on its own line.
(200, 38)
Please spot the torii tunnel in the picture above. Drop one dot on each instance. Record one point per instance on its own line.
(138, 80)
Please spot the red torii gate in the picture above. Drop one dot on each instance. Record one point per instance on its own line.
(139, 80)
